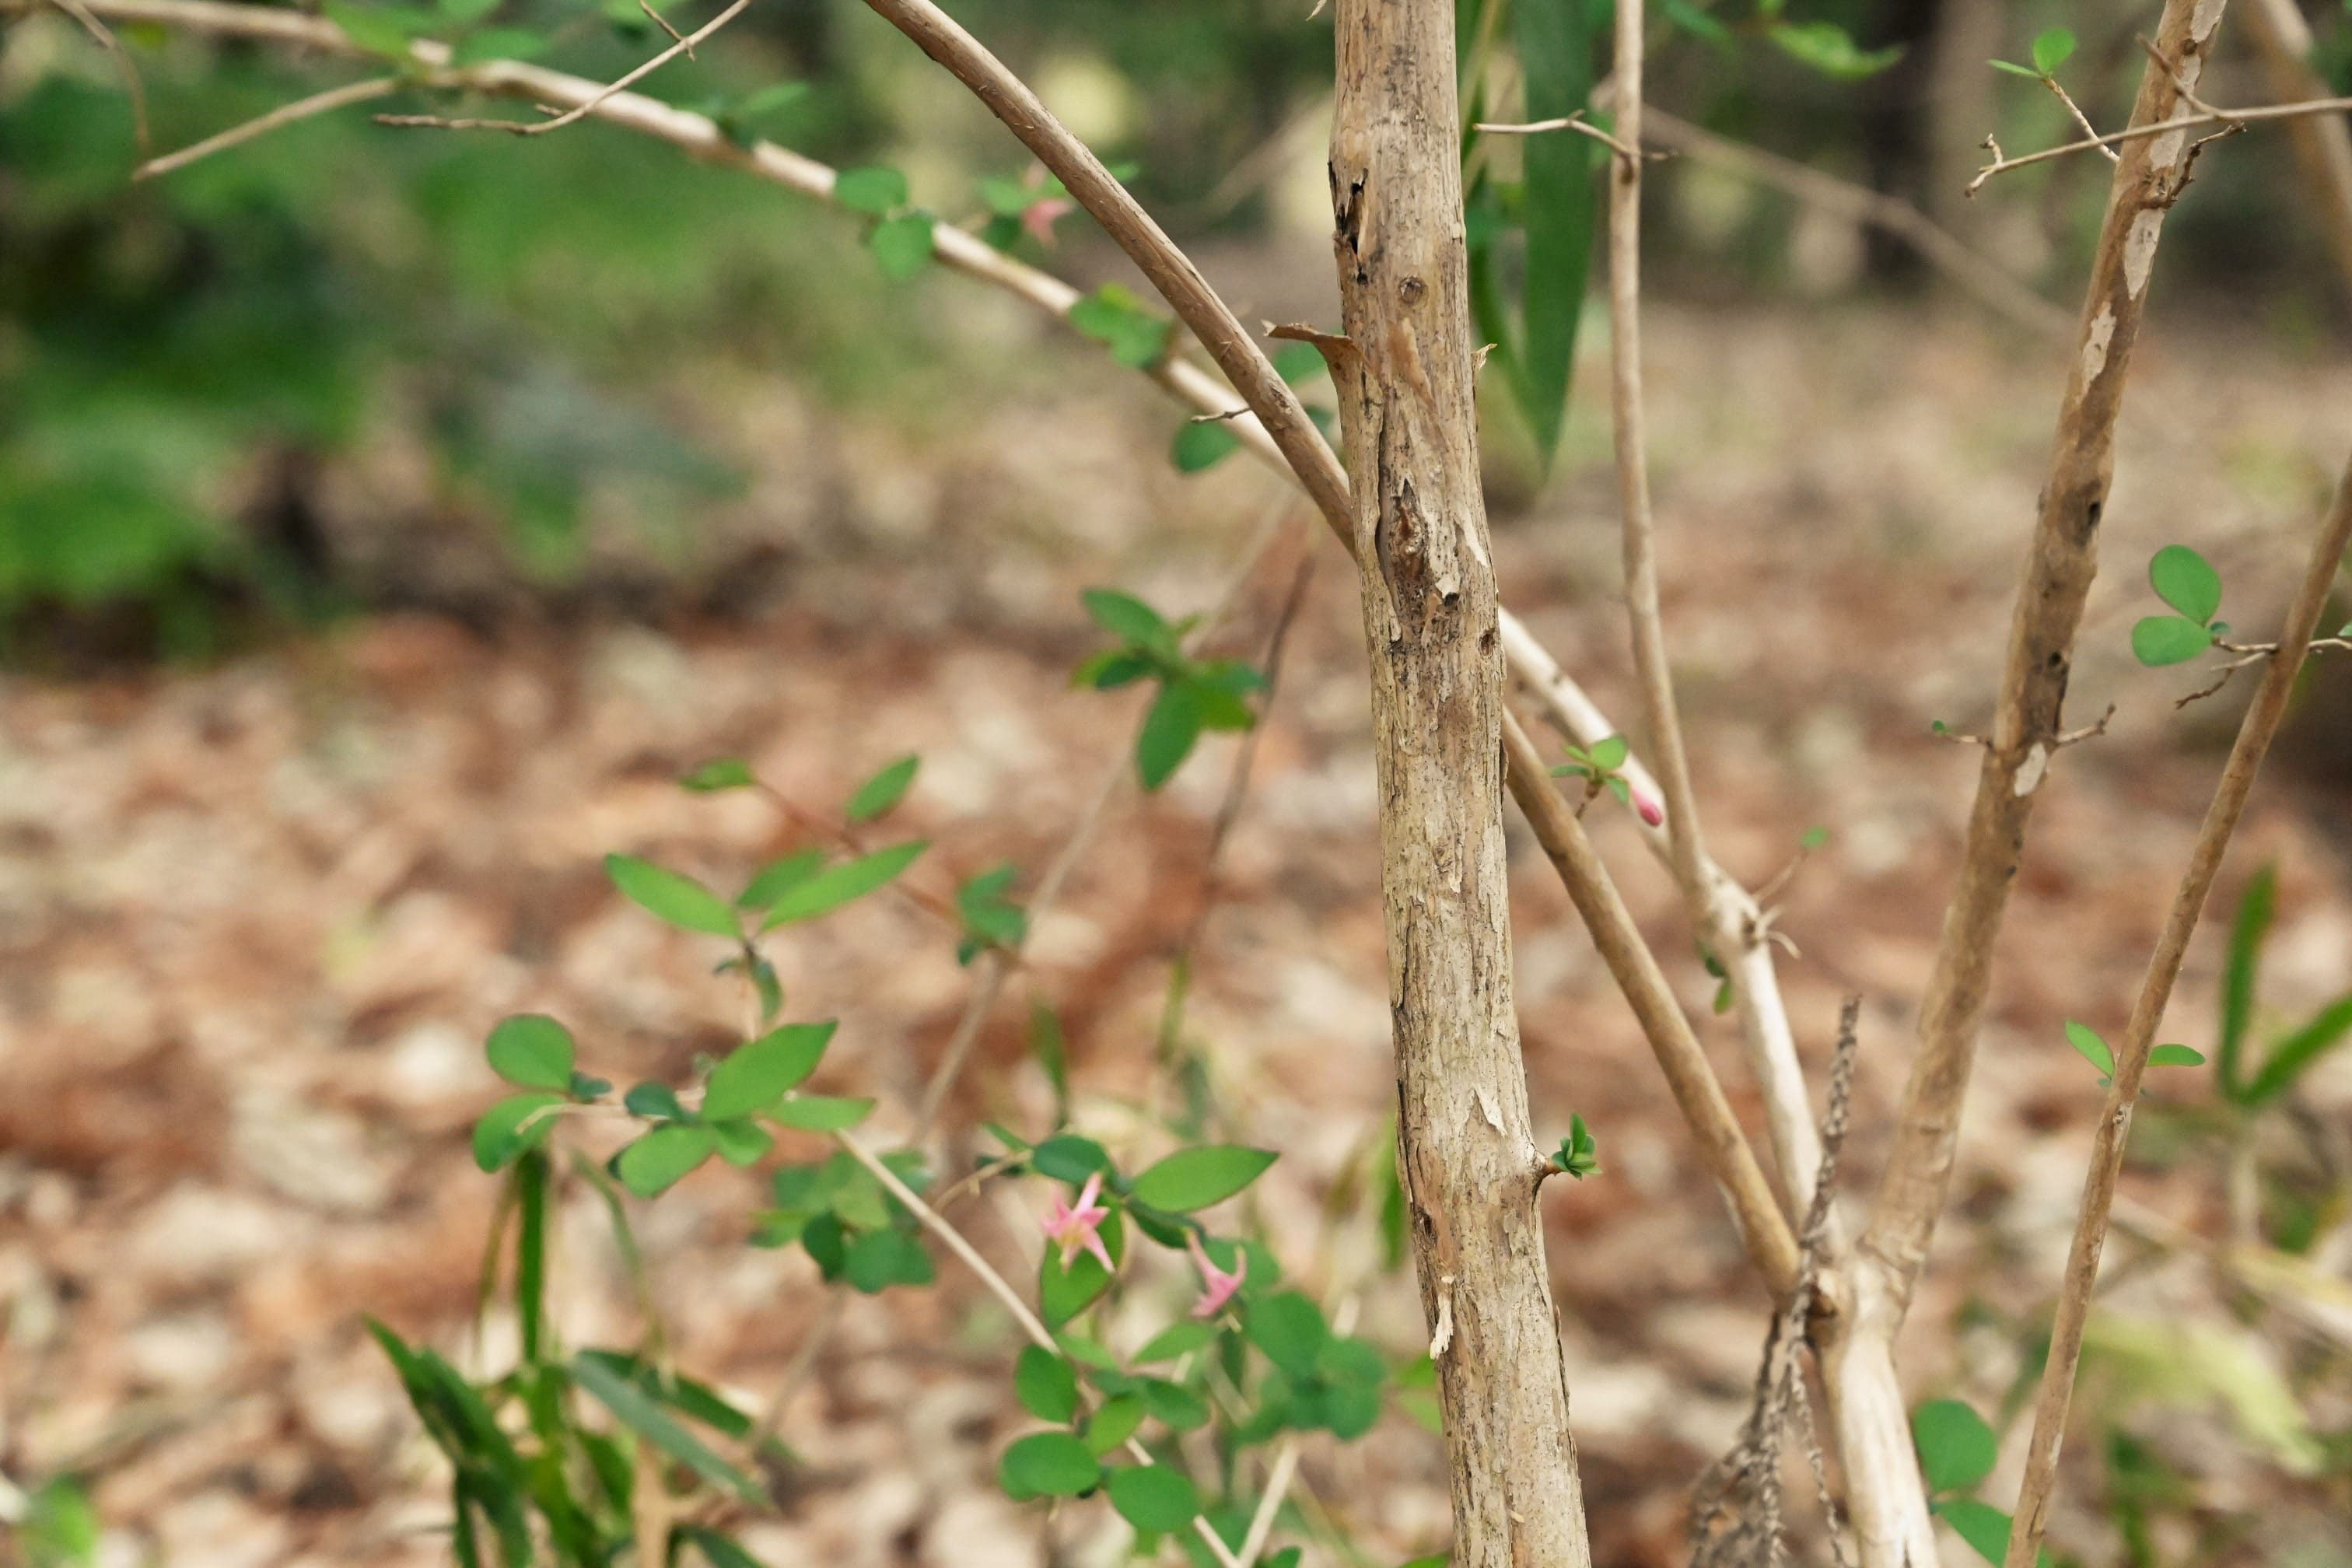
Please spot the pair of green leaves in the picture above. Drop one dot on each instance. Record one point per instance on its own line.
(2186, 581)
(391, 31)
(2087, 1042)
(900, 238)
(1577, 1155)
(1154, 1499)
(1194, 695)
(991, 920)
(2052, 48)
(798, 886)
(536, 1054)
(755, 1082)
(1597, 766)
(2296, 1051)
(1957, 1452)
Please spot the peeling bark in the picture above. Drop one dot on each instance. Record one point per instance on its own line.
(1470, 1164)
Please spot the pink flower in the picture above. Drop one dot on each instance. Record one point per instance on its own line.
(1075, 1225)
(1651, 811)
(1039, 218)
(1217, 1287)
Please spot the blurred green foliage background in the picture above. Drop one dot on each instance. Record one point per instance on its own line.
(185, 362)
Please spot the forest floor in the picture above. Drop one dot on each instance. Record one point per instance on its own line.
(256, 919)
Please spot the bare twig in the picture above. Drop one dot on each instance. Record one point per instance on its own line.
(2081, 119)
(2255, 735)
(318, 103)
(2251, 653)
(578, 112)
(1979, 274)
(995, 962)
(1688, 850)
(2230, 120)
(658, 20)
(1576, 122)
(104, 38)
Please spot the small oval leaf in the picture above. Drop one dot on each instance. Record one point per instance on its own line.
(533, 1050)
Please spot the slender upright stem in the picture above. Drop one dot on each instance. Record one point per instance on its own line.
(2255, 733)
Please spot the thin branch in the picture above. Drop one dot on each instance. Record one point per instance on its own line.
(1576, 122)
(2254, 736)
(1763, 1227)
(996, 962)
(2081, 119)
(1979, 274)
(578, 112)
(104, 38)
(318, 103)
(2250, 653)
(2230, 120)
(658, 20)
(1639, 530)
(2028, 721)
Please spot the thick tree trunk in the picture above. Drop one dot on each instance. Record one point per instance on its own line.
(1470, 1164)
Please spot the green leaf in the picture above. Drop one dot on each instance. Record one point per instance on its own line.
(2251, 924)
(1609, 752)
(836, 885)
(1113, 1424)
(777, 877)
(902, 245)
(1194, 1178)
(1173, 1404)
(1556, 203)
(1957, 1449)
(719, 773)
(2176, 1057)
(654, 1102)
(1297, 362)
(1137, 336)
(1070, 1158)
(656, 1161)
(1289, 1329)
(1128, 618)
(499, 44)
(533, 1050)
(878, 795)
(1983, 1527)
(1044, 1384)
(466, 13)
(2186, 581)
(500, 1137)
(873, 190)
(820, 1113)
(642, 1414)
(1111, 668)
(679, 900)
(1829, 49)
(2160, 640)
(1154, 1498)
(742, 1141)
(2294, 1054)
(2027, 72)
(1045, 1043)
(718, 1550)
(378, 30)
(2052, 49)
(1177, 1339)
(755, 1076)
(1047, 1464)
(1203, 444)
(2094, 1049)
(1169, 731)
(882, 1259)
(1064, 1293)
(764, 102)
